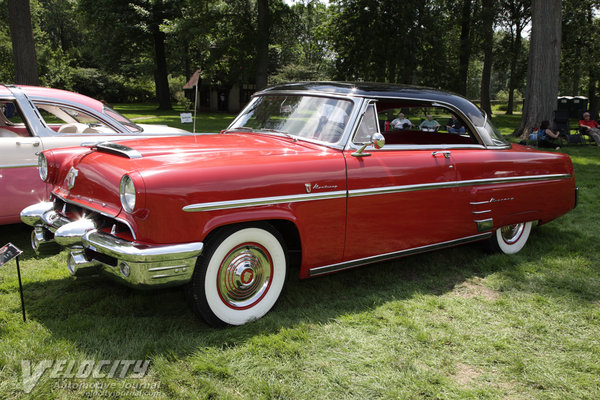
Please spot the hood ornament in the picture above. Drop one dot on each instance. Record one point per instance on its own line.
(71, 177)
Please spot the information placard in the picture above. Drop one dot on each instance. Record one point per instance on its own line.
(8, 252)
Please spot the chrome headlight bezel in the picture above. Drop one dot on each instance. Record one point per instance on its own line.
(43, 166)
(127, 193)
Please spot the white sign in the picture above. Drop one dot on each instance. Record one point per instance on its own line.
(186, 118)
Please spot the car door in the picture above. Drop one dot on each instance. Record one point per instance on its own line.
(20, 184)
(401, 197)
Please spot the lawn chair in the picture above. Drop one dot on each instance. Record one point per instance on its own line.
(561, 124)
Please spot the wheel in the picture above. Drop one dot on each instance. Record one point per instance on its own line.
(510, 239)
(239, 276)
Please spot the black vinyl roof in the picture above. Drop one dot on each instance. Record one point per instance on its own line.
(383, 90)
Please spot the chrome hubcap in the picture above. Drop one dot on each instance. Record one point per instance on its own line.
(512, 233)
(245, 276)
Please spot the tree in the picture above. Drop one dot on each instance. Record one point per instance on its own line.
(21, 33)
(465, 46)
(263, 33)
(516, 17)
(543, 66)
(488, 14)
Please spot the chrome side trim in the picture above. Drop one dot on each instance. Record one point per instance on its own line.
(263, 201)
(17, 166)
(453, 184)
(481, 212)
(389, 256)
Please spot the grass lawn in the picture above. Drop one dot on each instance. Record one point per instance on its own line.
(453, 324)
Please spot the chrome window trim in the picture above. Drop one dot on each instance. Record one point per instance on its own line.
(90, 111)
(452, 184)
(396, 254)
(263, 201)
(267, 201)
(99, 212)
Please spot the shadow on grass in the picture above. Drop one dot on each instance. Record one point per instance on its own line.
(106, 320)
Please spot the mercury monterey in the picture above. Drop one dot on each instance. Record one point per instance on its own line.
(310, 175)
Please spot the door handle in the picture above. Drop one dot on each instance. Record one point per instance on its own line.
(446, 154)
(34, 143)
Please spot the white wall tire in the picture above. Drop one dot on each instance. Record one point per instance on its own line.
(240, 275)
(511, 239)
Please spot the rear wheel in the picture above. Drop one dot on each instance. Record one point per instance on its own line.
(510, 239)
(239, 276)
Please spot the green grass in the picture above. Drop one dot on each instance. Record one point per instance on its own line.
(454, 324)
(149, 114)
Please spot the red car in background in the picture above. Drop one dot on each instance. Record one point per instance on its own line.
(308, 175)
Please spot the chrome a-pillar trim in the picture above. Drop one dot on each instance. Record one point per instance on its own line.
(389, 256)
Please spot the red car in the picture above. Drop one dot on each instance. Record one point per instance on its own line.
(309, 174)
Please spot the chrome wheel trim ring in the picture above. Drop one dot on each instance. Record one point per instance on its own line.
(244, 276)
(512, 233)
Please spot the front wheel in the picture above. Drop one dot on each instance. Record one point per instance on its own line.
(240, 275)
(510, 239)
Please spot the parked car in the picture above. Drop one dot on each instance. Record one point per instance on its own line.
(33, 119)
(307, 175)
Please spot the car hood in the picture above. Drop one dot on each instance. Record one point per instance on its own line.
(183, 165)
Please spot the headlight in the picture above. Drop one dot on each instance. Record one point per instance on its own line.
(127, 192)
(43, 166)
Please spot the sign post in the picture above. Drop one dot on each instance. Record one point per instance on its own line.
(7, 253)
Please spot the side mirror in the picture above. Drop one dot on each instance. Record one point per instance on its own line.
(377, 141)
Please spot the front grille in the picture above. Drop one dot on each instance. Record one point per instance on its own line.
(104, 223)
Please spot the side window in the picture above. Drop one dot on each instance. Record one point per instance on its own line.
(410, 122)
(12, 122)
(368, 126)
(64, 119)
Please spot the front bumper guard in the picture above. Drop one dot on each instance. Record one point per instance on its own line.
(91, 250)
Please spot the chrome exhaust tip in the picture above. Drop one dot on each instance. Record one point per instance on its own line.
(42, 242)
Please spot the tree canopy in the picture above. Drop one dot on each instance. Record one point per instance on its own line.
(139, 50)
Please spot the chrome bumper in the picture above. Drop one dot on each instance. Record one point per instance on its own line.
(91, 250)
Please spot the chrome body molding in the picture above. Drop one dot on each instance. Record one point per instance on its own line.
(453, 184)
(266, 201)
(17, 166)
(263, 201)
(389, 256)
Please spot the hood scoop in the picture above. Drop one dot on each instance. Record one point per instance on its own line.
(118, 149)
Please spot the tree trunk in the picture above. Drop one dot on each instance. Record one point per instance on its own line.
(488, 40)
(21, 34)
(263, 31)
(544, 64)
(465, 47)
(161, 76)
(512, 81)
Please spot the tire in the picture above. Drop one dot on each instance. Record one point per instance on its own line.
(239, 276)
(510, 239)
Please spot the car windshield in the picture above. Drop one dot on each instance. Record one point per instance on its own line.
(312, 117)
(132, 127)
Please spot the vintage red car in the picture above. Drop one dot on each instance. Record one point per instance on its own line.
(318, 175)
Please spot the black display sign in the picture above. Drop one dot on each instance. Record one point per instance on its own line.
(8, 252)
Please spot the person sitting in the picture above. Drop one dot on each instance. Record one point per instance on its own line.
(545, 136)
(401, 122)
(455, 125)
(590, 127)
(430, 124)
